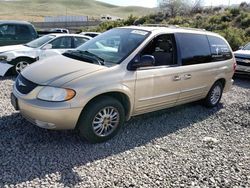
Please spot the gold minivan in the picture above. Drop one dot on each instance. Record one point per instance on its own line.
(121, 73)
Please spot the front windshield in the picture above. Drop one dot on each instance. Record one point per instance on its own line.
(114, 45)
(40, 41)
(247, 47)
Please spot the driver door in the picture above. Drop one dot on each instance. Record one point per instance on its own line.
(159, 86)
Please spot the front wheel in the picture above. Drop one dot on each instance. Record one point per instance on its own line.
(101, 120)
(214, 96)
(20, 65)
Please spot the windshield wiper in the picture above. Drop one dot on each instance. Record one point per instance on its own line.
(80, 55)
(94, 55)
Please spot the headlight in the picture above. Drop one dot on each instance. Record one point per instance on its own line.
(3, 58)
(56, 94)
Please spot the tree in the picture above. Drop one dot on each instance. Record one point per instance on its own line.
(197, 6)
(179, 7)
(171, 7)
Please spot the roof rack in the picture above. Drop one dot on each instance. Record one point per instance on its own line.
(172, 26)
(160, 25)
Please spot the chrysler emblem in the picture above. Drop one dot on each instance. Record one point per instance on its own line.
(20, 83)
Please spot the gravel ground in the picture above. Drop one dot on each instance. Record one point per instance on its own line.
(186, 146)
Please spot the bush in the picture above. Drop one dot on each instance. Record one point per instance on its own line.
(245, 22)
(131, 20)
(248, 32)
(178, 20)
(226, 17)
(235, 37)
(235, 12)
(233, 24)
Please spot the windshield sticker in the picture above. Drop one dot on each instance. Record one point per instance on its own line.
(139, 32)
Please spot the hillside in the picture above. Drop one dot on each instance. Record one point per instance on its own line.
(35, 10)
(232, 23)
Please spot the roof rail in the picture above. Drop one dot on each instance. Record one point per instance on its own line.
(172, 26)
(160, 25)
(191, 28)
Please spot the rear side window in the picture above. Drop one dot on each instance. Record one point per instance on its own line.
(62, 43)
(23, 32)
(7, 30)
(194, 48)
(219, 49)
(78, 41)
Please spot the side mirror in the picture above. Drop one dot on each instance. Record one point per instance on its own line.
(47, 47)
(241, 47)
(144, 61)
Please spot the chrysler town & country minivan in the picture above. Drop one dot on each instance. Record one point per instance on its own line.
(122, 73)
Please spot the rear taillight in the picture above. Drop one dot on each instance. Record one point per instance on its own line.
(235, 65)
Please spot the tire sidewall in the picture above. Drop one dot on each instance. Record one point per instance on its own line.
(89, 113)
(208, 102)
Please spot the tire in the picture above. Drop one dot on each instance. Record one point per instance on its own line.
(92, 123)
(20, 65)
(214, 95)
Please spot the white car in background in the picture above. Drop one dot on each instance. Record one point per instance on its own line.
(242, 57)
(17, 57)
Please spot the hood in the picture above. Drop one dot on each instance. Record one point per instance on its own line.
(13, 47)
(58, 70)
(242, 53)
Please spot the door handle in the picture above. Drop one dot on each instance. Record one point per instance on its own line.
(187, 76)
(177, 78)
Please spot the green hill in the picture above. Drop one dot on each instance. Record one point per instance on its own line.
(36, 10)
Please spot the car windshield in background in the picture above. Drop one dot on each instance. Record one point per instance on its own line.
(247, 47)
(114, 45)
(40, 41)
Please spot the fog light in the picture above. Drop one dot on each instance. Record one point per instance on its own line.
(45, 125)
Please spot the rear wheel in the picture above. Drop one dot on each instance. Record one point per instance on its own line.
(101, 120)
(214, 96)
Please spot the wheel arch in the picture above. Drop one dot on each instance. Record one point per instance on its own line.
(120, 96)
(221, 80)
(32, 59)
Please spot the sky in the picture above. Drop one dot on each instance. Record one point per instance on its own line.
(153, 3)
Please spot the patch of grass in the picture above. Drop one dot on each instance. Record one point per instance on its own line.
(36, 10)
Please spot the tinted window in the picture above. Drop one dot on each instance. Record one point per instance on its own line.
(163, 49)
(23, 32)
(62, 43)
(219, 49)
(78, 41)
(194, 48)
(247, 47)
(7, 30)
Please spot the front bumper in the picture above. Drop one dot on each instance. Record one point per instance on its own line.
(49, 115)
(242, 70)
(4, 67)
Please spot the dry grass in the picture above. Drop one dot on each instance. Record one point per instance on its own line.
(36, 10)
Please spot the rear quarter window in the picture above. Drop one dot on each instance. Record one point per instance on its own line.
(194, 48)
(219, 49)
